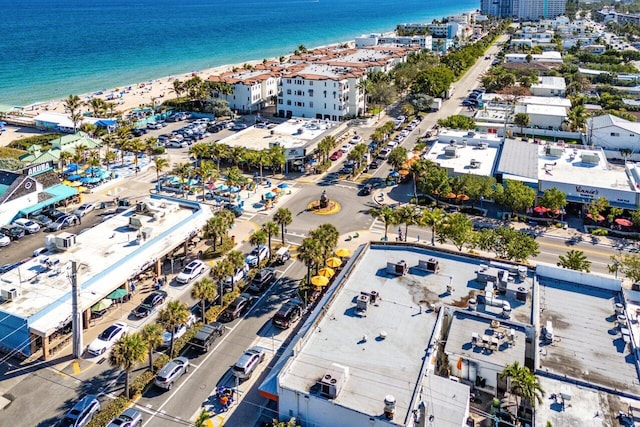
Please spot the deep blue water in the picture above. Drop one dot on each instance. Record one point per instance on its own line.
(53, 48)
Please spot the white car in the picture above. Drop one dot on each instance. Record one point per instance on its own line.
(84, 209)
(345, 148)
(27, 225)
(174, 143)
(179, 331)
(4, 240)
(355, 140)
(154, 125)
(107, 338)
(190, 272)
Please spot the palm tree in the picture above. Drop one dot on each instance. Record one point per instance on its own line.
(215, 229)
(408, 215)
(283, 217)
(388, 215)
(258, 237)
(152, 336)
(199, 151)
(204, 290)
(219, 271)
(523, 383)
(217, 151)
(270, 228)
(237, 261)
(159, 164)
(127, 352)
(73, 104)
(327, 235)
(202, 418)
(184, 171)
(174, 314)
(206, 172)
(574, 260)
(433, 218)
(310, 253)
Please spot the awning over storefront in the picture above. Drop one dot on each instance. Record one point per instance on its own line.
(58, 192)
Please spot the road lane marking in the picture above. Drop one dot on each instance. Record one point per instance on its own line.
(211, 353)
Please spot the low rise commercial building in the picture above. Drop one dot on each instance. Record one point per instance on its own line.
(36, 312)
(549, 86)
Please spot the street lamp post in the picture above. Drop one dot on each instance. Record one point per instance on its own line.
(75, 311)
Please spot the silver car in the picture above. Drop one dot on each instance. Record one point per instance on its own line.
(129, 418)
(170, 373)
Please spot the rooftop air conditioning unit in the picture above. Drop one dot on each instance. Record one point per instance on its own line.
(65, 241)
(10, 294)
(333, 380)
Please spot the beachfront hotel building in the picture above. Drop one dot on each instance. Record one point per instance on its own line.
(36, 314)
(411, 336)
(523, 9)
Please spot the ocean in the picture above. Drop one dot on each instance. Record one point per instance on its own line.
(53, 48)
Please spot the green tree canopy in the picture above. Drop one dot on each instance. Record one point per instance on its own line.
(458, 122)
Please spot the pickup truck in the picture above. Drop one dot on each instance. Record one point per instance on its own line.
(207, 335)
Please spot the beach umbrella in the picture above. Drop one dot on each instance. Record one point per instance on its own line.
(85, 179)
(623, 222)
(117, 294)
(223, 187)
(343, 252)
(600, 217)
(463, 197)
(93, 180)
(540, 209)
(102, 305)
(82, 189)
(75, 184)
(269, 195)
(66, 182)
(326, 272)
(283, 185)
(394, 174)
(334, 262)
(72, 167)
(74, 177)
(451, 196)
(404, 172)
(319, 281)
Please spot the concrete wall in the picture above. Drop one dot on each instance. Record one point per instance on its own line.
(587, 279)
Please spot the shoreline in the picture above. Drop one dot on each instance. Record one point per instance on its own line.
(141, 94)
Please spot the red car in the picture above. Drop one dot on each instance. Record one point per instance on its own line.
(336, 155)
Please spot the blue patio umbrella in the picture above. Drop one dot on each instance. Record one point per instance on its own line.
(103, 174)
(269, 195)
(283, 185)
(71, 168)
(93, 180)
(94, 170)
(85, 179)
(394, 174)
(234, 189)
(74, 177)
(222, 187)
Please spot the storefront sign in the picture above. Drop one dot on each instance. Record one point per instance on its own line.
(294, 153)
(38, 169)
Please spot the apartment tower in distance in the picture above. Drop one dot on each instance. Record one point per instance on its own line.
(523, 9)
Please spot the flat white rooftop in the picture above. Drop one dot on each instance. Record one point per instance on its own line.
(483, 159)
(294, 133)
(379, 367)
(107, 256)
(572, 164)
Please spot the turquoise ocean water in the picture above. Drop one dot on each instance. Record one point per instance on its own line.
(53, 48)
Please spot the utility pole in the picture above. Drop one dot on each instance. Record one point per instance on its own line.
(76, 313)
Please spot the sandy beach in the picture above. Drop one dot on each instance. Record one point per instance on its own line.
(136, 95)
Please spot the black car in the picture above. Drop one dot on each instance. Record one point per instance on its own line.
(54, 214)
(149, 303)
(137, 132)
(287, 315)
(237, 308)
(366, 190)
(12, 231)
(261, 280)
(375, 164)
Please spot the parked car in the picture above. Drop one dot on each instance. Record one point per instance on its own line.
(238, 276)
(175, 143)
(336, 155)
(64, 222)
(12, 231)
(207, 335)
(190, 272)
(41, 220)
(179, 331)
(262, 280)
(170, 372)
(149, 303)
(129, 418)
(107, 338)
(355, 140)
(239, 126)
(374, 164)
(237, 308)
(248, 363)
(154, 125)
(27, 225)
(282, 255)
(345, 148)
(82, 412)
(4, 240)
(84, 209)
(288, 314)
(384, 154)
(138, 132)
(257, 255)
(54, 214)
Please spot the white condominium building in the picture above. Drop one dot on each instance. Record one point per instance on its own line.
(538, 9)
(322, 91)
